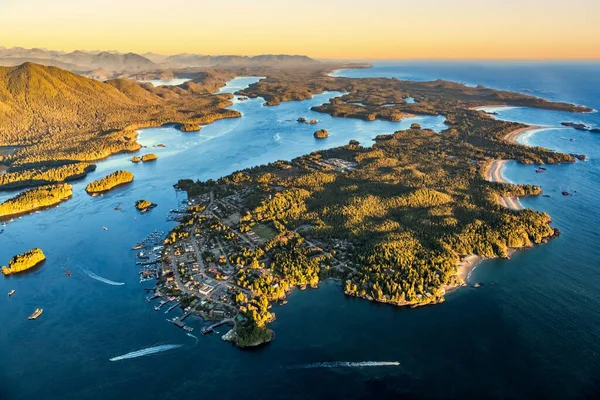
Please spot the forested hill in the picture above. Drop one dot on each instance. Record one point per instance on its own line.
(36, 99)
(61, 116)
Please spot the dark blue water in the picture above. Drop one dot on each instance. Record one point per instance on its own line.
(532, 330)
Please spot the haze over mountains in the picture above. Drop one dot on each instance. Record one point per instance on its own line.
(103, 63)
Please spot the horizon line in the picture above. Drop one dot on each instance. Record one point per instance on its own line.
(339, 59)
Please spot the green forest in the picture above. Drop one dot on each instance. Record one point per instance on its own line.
(35, 199)
(25, 261)
(109, 182)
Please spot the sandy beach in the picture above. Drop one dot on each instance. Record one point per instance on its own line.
(493, 173)
(514, 135)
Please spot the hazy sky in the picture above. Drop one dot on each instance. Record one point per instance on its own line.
(352, 29)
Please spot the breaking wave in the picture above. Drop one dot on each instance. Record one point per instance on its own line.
(349, 364)
(101, 279)
(147, 352)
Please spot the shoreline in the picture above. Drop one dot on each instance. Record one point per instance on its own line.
(512, 137)
(493, 170)
(492, 173)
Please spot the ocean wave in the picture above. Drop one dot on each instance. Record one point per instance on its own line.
(146, 352)
(101, 279)
(349, 364)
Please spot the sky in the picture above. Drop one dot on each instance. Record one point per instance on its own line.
(332, 29)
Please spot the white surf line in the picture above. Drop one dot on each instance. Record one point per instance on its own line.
(146, 352)
(101, 279)
(349, 364)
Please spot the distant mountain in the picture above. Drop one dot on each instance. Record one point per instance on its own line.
(20, 52)
(122, 62)
(77, 60)
(198, 60)
(77, 57)
(155, 58)
(88, 61)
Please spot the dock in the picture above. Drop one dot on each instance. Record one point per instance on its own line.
(172, 307)
(149, 299)
(187, 314)
(162, 303)
(209, 329)
(179, 323)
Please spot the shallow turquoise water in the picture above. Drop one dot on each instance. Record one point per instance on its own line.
(532, 330)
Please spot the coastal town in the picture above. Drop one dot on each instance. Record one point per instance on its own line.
(210, 263)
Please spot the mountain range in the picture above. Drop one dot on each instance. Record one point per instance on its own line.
(87, 61)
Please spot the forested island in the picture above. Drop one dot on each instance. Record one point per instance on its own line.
(321, 134)
(44, 175)
(144, 205)
(109, 182)
(149, 157)
(23, 262)
(35, 199)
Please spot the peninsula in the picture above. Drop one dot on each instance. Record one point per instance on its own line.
(18, 179)
(393, 221)
(109, 182)
(23, 262)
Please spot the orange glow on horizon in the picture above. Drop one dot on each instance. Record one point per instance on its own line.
(329, 29)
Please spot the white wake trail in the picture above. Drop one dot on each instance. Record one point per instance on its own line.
(146, 352)
(101, 279)
(350, 364)
(195, 338)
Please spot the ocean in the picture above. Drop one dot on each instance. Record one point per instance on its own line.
(531, 330)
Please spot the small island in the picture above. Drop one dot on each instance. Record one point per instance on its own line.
(189, 127)
(321, 134)
(136, 159)
(144, 205)
(109, 182)
(23, 262)
(35, 199)
(149, 157)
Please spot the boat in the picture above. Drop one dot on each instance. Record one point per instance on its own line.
(68, 273)
(11, 293)
(36, 313)
(137, 246)
(105, 228)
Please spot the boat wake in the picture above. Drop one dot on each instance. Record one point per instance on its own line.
(348, 364)
(192, 336)
(101, 279)
(146, 352)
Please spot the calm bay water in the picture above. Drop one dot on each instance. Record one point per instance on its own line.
(531, 330)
